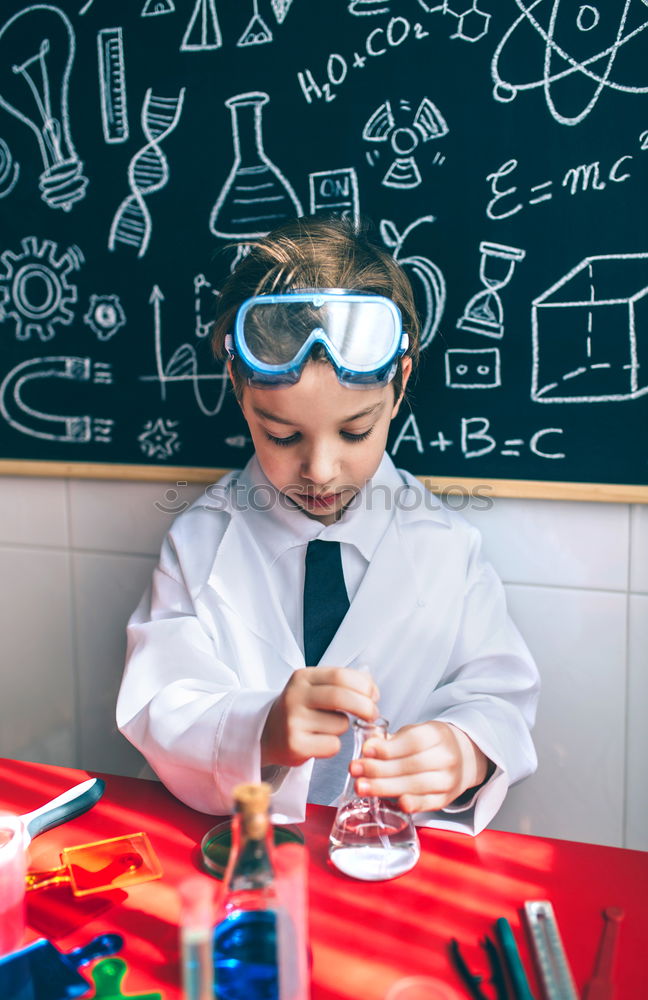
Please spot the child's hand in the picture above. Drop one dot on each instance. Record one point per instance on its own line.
(307, 718)
(425, 767)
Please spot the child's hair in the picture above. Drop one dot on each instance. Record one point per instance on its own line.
(315, 252)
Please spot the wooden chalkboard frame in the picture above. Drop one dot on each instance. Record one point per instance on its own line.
(521, 488)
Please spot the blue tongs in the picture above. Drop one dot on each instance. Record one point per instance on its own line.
(511, 963)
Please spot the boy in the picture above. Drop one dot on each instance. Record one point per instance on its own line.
(319, 558)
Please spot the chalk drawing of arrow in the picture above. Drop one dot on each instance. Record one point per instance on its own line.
(183, 364)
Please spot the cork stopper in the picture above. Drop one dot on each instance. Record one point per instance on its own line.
(252, 802)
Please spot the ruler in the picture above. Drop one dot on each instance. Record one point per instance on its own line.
(551, 959)
(112, 84)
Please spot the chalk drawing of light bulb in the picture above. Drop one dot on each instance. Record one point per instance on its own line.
(37, 48)
(256, 196)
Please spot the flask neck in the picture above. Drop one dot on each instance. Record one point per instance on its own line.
(247, 134)
(250, 865)
(363, 731)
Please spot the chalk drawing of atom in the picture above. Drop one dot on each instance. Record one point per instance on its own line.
(577, 46)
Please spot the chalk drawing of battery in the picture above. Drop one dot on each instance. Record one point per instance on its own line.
(590, 332)
(28, 377)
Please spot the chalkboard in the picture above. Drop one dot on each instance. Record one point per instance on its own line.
(500, 149)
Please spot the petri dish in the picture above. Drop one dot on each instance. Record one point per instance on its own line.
(215, 845)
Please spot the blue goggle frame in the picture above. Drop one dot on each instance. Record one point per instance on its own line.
(377, 368)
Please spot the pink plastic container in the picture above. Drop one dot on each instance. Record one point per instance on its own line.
(12, 882)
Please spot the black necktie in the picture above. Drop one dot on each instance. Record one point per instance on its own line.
(325, 598)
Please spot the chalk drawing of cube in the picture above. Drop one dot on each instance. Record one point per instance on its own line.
(590, 332)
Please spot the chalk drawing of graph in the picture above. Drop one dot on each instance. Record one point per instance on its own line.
(182, 366)
(590, 332)
(148, 172)
(574, 48)
(27, 377)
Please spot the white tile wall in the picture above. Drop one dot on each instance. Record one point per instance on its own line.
(112, 516)
(639, 549)
(75, 556)
(579, 641)
(33, 511)
(38, 708)
(106, 589)
(637, 770)
(555, 542)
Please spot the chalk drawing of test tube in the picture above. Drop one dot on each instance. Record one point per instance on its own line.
(23, 417)
(36, 58)
(148, 171)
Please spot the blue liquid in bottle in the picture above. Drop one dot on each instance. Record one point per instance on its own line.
(245, 939)
(245, 953)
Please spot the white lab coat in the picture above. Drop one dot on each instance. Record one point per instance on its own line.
(209, 649)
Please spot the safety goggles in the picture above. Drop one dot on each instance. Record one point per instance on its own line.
(274, 334)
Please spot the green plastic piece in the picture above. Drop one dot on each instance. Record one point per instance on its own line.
(107, 976)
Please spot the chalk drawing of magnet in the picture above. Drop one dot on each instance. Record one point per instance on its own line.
(25, 418)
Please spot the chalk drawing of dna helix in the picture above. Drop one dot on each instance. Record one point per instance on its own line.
(148, 171)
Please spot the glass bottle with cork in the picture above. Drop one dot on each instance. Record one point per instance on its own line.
(245, 939)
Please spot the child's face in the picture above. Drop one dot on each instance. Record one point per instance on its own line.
(318, 441)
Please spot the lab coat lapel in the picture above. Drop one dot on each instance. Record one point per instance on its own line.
(250, 592)
(385, 596)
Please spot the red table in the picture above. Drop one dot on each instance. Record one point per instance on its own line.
(364, 936)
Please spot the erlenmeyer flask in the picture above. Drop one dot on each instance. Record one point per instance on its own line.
(256, 196)
(371, 838)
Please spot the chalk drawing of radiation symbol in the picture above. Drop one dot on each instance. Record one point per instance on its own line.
(575, 50)
(35, 291)
(427, 123)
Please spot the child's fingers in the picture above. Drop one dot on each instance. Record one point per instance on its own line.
(423, 803)
(426, 783)
(407, 742)
(428, 760)
(350, 680)
(331, 698)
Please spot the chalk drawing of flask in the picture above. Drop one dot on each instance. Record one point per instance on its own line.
(256, 196)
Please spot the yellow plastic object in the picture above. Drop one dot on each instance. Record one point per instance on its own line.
(103, 865)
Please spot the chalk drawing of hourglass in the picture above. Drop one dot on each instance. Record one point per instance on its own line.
(256, 196)
(484, 312)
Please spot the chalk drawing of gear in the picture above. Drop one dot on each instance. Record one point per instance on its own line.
(23, 417)
(105, 315)
(35, 291)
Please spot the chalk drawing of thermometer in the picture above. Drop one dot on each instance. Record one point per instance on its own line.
(52, 427)
(148, 171)
(112, 84)
(37, 48)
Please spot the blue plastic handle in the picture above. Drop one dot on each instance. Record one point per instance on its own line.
(64, 807)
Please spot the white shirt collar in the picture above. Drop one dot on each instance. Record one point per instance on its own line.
(278, 524)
